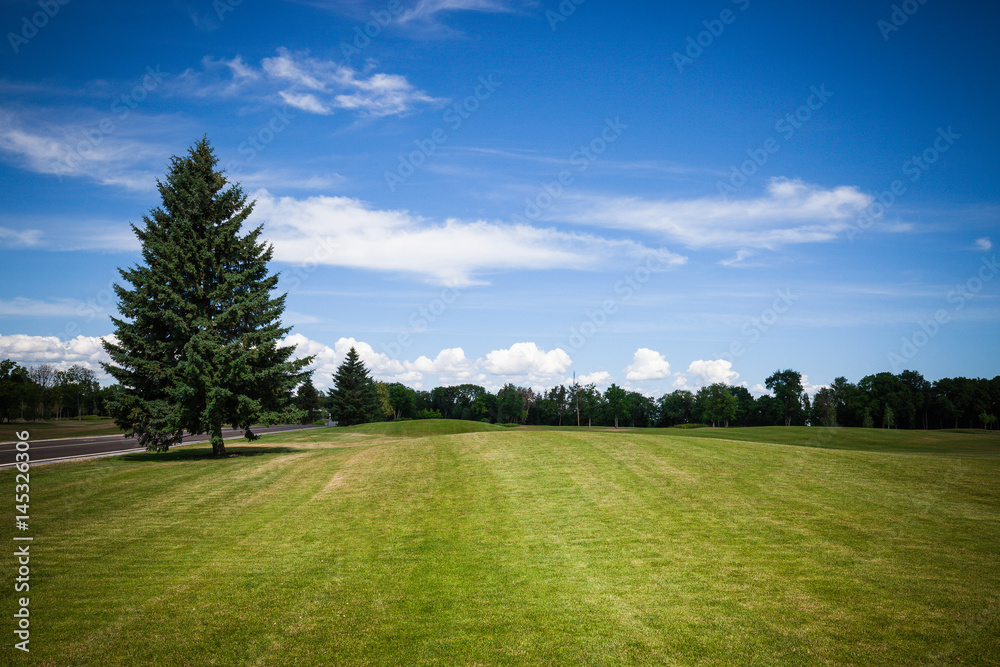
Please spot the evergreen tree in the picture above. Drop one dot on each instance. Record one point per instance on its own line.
(197, 344)
(307, 399)
(354, 398)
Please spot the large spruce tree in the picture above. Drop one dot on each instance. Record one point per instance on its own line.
(354, 398)
(197, 344)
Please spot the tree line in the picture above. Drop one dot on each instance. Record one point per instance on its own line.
(198, 343)
(882, 400)
(42, 392)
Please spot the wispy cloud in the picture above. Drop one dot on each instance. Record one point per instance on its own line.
(790, 212)
(78, 148)
(426, 9)
(12, 238)
(306, 83)
(342, 231)
(984, 244)
(23, 307)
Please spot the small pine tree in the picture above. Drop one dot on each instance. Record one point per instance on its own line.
(197, 344)
(354, 398)
(307, 399)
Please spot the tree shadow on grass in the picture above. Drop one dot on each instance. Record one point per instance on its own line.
(205, 453)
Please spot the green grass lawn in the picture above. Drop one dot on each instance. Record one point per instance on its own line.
(62, 428)
(451, 543)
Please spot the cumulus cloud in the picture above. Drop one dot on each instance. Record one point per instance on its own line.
(451, 366)
(647, 365)
(327, 359)
(527, 360)
(86, 351)
(984, 244)
(522, 362)
(598, 378)
(702, 373)
(789, 212)
(343, 231)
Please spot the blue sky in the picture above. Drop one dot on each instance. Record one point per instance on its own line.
(661, 195)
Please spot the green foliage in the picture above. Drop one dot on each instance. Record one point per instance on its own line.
(309, 402)
(787, 388)
(615, 397)
(15, 390)
(986, 419)
(402, 400)
(511, 404)
(196, 346)
(676, 408)
(717, 403)
(428, 414)
(824, 409)
(354, 398)
(385, 411)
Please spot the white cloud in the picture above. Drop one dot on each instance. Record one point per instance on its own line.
(306, 83)
(79, 148)
(11, 238)
(741, 255)
(527, 361)
(451, 366)
(647, 365)
(86, 351)
(342, 231)
(984, 244)
(426, 9)
(599, 378)
(305, 102)
(327, 359)
(702, 373)
(22, 307)
(810, 388)
(790, 212)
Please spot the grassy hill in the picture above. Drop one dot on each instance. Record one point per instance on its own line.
(859, 439)
(451, 543)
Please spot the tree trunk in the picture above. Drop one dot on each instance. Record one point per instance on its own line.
(218, 445)
(616, 421)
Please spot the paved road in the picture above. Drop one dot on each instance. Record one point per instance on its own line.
(103, 445)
